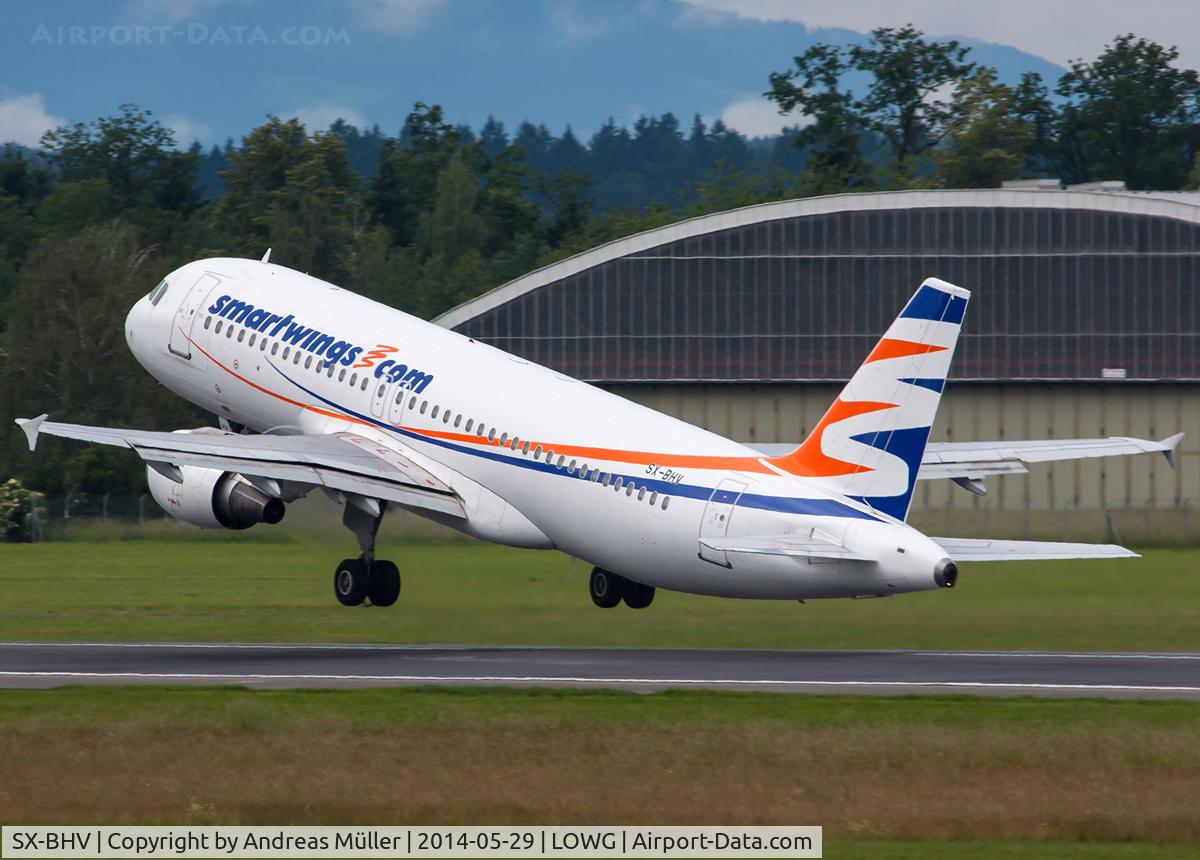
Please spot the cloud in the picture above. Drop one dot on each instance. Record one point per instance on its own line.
(172, 11)
(24, 118)
(576, 23)
(321, 115)
(187, 130)
(396, 17)
(1059, 32)
(757, 117)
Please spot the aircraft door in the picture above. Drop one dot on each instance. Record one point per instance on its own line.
(397, 398)
(187, 314)
(717, 515)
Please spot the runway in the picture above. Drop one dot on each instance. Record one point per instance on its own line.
(28, 664)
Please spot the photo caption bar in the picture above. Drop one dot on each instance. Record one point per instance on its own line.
(401, 842)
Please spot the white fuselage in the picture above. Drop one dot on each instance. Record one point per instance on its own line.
(334, 361)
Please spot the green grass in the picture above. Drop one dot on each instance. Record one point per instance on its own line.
(477, 593)
(991, 777)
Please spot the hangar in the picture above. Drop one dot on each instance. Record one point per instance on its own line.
(1085, 321)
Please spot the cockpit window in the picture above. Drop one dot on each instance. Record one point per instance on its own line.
(157, 293)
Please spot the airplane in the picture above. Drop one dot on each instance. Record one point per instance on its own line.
(317, 387)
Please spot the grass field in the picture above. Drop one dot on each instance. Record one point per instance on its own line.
(238, 590)
(870, 770)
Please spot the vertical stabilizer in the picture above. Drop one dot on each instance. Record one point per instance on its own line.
(870, 443)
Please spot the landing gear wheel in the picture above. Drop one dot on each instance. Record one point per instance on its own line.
(385, 583)
(638, 596)
(351, 581)
(606, 588)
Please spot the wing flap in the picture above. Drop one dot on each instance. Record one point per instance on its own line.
(985, 549)
(343, 462)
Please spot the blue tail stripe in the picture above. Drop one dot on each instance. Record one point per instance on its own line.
(934, 304)
(934, 385)
(909, 445)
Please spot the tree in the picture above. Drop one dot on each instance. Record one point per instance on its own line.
(987, 144)
(833, 138)
(908, 99)
(291, 192)
(1130, 114)
(906, 103)
(405, 182)
(133, 153)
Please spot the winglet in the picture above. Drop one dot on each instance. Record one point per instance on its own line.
(1169, 445)
(32, 425)
(266, 258)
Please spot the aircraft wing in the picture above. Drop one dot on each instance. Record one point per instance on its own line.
(967, 463)
(343, 462)
(973, 549)
(804, 545)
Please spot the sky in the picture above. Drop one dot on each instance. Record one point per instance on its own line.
(214, 69)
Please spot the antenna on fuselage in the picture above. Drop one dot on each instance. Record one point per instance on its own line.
(267, 256)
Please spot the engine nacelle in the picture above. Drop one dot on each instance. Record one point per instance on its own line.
(213, 499)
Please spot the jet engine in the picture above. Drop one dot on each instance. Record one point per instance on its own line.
(210, 498)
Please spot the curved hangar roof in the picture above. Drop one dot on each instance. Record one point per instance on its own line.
(1067, 285)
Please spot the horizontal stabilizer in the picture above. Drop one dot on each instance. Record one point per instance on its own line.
(975, 549)
(804, 545)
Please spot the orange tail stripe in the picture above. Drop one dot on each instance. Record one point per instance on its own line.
(892, 348)
(809, 460)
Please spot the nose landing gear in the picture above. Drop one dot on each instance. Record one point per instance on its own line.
(608, 589)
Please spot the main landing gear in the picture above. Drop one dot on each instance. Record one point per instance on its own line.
(608, 589)
(365, 577)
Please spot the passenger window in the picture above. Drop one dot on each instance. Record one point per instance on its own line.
(492, 435)
(229, 332)
(342, 375)
(596, 475)
(219, 324)
(525, 448)
(666, 501)
(207, 322)
(262, 345)
(353, 379)
(457, 419)
(503, 439)
(653, 498)
(549, 456)
(641, 494)
(412, 404)
(307, 362)
(379, 391)
(446, 417)
(537, 452)
(629, 488)
(287, 350)
(241, 335)
(399, 397)
(274, 347)
(433, 413)
(424, 406)
(620, 483)
(605, 478)
(296, 358)
(513, 443)
(364, 383)
(253, 337)
(470, 424)
(561, 459)
(331, 369)
(571, 468)
(479, 428)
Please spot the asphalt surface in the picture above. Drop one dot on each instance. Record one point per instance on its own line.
(25, 664)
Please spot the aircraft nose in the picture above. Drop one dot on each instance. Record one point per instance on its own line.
(135, 324)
